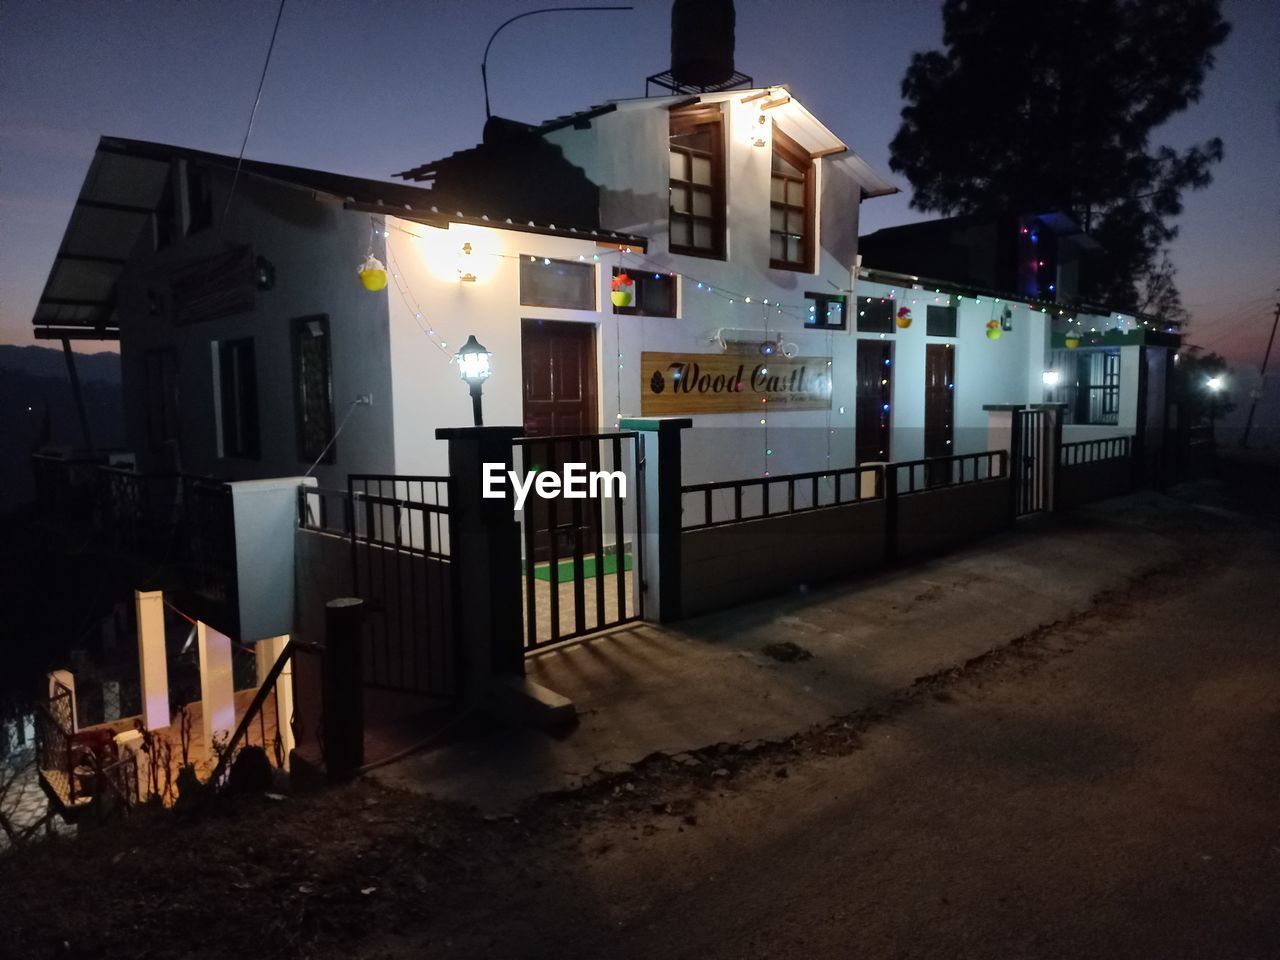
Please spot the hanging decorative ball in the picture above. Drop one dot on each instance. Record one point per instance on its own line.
(903, 319)
(623, 290)
(373, 274)
(1072, 342)
(993, 330)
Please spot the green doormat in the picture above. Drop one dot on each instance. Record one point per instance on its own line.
(564, 569)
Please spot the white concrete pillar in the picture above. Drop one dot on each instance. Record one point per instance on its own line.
(65, 679)
(1000, 425)
(268, 652)
(217, 686)
(153, 663)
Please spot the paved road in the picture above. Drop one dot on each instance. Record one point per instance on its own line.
(1111, 789)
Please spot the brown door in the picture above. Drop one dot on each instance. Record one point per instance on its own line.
(875, 386)
(559, 361)
(939, 405)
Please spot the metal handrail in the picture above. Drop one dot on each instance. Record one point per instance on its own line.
(265, 689)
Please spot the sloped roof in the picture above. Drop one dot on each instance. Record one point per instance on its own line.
(124, 186)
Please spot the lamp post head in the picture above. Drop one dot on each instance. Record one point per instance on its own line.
(473, 362)
(1214, 383)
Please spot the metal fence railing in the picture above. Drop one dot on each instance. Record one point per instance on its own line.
(1088, 451)
(732, 501)
(915, 476)
(79, 766)
(399, 528)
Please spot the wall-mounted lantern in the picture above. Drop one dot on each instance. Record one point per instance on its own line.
(474, 368)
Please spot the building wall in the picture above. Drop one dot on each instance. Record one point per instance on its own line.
(1007, 370)
(315, 249)
(626, 152)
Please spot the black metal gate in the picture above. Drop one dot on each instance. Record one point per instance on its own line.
(582, 557)
(401, 568)
(1028, 462)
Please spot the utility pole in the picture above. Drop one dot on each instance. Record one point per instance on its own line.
(1248, 424)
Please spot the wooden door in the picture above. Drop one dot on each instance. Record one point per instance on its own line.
(559, 371)
(875, 387)
(939, 404)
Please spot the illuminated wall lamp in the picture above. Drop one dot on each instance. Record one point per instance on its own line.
(464, 274)
(1051, 378)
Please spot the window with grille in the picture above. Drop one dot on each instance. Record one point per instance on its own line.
(791, 194)
(1089, 384)
(313, 388)
(697, 194)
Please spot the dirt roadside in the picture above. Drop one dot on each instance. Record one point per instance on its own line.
(1100, 787)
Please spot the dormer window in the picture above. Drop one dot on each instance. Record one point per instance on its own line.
(791, 206)
(697, 208)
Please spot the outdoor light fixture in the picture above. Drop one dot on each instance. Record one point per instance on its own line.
(474, 368)
(1051, 378)
(1214, 384)
(464, 272)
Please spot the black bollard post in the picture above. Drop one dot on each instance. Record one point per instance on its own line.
(342, 727)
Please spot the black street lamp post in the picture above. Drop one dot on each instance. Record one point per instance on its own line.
(474, 368)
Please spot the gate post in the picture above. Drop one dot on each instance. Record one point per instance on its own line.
(484, 548)
(1052, 466)
(662, 575)
(343, 711)
(1004, 432)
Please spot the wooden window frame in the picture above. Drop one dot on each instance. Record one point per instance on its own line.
(802, 160)
(691, 121)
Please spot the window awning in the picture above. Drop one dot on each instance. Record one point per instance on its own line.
(115, 205)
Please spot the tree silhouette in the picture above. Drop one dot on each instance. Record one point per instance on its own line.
(1050, 105)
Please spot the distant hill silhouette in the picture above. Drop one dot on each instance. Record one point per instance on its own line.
(33, 380)
(45, 362)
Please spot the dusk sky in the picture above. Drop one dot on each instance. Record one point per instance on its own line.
(368, 89)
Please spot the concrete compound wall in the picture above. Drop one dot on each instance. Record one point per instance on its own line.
(1080, 483)
(736, 563)
(935, 520)
(727, 565)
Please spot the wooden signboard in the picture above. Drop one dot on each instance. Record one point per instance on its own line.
(691, 383)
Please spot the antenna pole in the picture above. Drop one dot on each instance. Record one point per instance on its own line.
(484, 62)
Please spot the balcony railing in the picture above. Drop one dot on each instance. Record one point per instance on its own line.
(181, 527)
